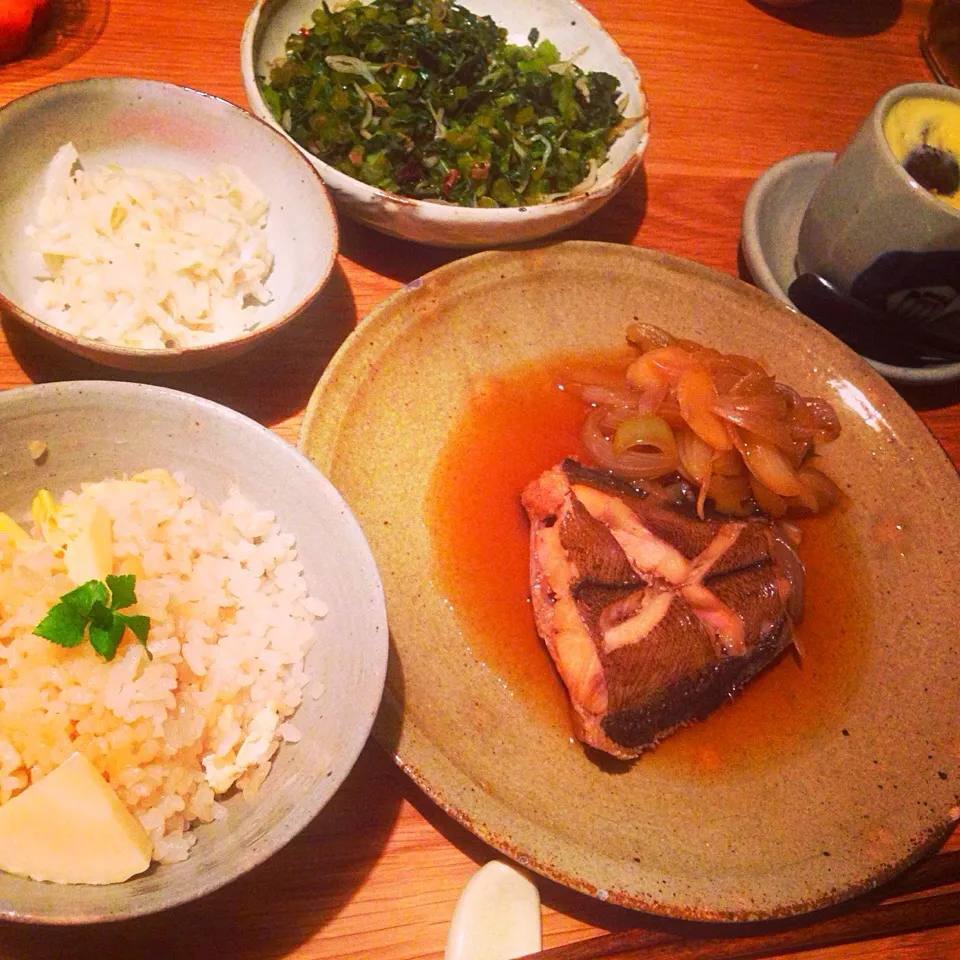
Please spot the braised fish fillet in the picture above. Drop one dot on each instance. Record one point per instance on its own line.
(652, 616)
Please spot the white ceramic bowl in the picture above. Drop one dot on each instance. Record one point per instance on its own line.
(134, 122)
(568, 25)
(97, 429)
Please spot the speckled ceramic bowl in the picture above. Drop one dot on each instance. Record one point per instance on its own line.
(574, 31)
(848, 778)
(145, 123)
(95, 430)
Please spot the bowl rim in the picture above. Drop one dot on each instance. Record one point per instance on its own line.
(91, 345)
(62, 394)
(600, 190)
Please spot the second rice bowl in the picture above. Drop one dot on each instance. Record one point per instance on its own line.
(133, 124)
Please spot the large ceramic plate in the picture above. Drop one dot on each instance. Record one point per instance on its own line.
(868, 785)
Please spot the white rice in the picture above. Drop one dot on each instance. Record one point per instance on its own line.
(150, 257)
(231, 623)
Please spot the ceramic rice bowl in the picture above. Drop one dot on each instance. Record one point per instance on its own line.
(94, 430)
(134, 123)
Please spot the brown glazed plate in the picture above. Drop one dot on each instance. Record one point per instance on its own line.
(868, 786)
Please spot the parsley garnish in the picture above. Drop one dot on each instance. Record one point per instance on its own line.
(92, 609)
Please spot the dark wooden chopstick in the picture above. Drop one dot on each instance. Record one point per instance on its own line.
(870, 922)
(938, 871)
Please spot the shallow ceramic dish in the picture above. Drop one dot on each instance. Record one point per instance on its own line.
(837, 805)
(564, 22)
(98, 429)
(134, 122)
(770, 226)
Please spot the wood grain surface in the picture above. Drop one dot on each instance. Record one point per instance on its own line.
(733, 87)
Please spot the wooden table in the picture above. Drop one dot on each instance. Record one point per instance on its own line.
(733, 86)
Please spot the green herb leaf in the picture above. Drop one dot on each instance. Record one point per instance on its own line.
(106, 640)
(122, 593)
(100, 616)
(63, 625)
(139, 626)
(91, 610)
(85, 596)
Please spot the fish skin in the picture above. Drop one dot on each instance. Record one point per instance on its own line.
(597, 572)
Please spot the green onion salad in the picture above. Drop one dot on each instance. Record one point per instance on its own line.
(424, 98)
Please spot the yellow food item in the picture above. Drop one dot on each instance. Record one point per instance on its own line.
(915, 122)
(84, 539)
(132, 565)
(37, 450)
(12, 529)
(89, 554)
(158, 474)
(70, 827)
(44, 512)
(497, 916)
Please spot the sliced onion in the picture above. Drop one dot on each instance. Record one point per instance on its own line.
(746, 364)
(645, 336)
(771, 468)
(719, 419)
(758, 383)
(729, 463)
(696, 398)
(645, 430)
(762, 415)
(790, 395)
(731, 495)
(635, 465)
(669, 362)
(669, 409)
(696, 457)
(728, 370)
(599, 395)
(824, 490)
(819, 418)
(701, 352)
(643, 374)
(696, 463)
(772, 504)
(653, 399)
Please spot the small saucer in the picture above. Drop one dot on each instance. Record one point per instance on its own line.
(769, 230)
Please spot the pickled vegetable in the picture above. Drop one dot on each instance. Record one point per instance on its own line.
(424, 98)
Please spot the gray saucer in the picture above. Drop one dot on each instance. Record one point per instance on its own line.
(769, 230)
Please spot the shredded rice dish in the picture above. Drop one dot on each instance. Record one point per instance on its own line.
(200, 709)
(149, 257)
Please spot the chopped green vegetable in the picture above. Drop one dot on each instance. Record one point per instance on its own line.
(426, 99)
(92, 609)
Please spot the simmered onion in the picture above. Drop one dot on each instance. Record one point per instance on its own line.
(719, 420)
(633, 463)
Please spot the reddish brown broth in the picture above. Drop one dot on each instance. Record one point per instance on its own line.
(521, 424)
